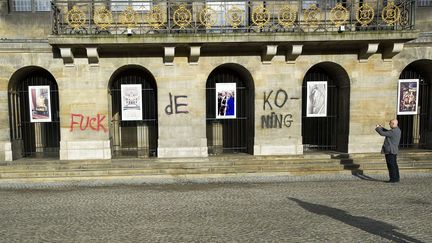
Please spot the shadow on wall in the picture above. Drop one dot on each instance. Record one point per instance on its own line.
(375, 227)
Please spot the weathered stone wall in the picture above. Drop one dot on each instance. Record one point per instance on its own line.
(278, 91)
(83, 90)
(423, 22)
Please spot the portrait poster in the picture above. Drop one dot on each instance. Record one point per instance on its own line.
(316, 99)
(39, 103)
(226, 94)
(408, 96)
(131, 102)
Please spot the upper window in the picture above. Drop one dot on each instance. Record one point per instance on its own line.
(30, 5)
(424, 3)
(222, 8)
(137, 5)
(308, 3)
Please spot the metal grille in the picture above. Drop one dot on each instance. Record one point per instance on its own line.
(414, 127)
(134, 138)
(146, 17)
(39, 139)
(329, 132)
(230, 135)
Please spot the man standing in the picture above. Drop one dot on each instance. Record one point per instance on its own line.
(390, 148)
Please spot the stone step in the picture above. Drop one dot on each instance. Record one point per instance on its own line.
(310, 163)
(146, 164)
(256, 166)
(166, 171)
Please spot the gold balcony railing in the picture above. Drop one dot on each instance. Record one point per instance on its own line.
(171, 17)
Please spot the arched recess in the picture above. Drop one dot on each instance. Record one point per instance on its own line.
(325, 121)
(134, 118)
(416, 128)
(230, 133)
(34, 113)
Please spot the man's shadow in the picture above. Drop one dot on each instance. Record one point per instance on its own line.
(371, 226)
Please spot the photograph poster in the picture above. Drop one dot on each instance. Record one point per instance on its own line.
(407, 96)
(316, 105)
(40, 103)
(226, 100)
(131, 102)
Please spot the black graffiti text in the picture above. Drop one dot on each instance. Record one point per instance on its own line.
(280, 99)
(276, 120)
(169, 108)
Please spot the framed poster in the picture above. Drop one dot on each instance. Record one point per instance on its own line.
(408, 96)
(226, 94)
(131, 102)
(316, 103)
(39, 103)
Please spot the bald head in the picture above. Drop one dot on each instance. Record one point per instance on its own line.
(393, 123)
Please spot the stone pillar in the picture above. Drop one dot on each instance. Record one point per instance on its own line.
(116, 141)
(416, 128)
(216, 138)
(39, 141)
(143, 140)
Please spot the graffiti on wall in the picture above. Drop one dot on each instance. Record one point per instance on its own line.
(178, 107)
(79, 121)
(278, 100)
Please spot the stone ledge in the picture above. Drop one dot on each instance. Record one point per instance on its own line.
(182, 152)
(77, 150)
(278, 150)
(233, 38)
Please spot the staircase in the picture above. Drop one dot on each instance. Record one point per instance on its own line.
(307, 164)
(369, 163)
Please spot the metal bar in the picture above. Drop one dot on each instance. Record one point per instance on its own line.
(59, 15)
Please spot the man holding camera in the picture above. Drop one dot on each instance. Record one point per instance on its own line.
(391, 148)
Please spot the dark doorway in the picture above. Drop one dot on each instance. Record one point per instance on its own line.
(35, 122)
(328, 132)
(137, 137)
(234, 135)
(417, 129)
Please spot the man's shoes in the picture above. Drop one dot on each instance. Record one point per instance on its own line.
(393, 181)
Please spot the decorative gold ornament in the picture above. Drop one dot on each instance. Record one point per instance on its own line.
(312, 15)
(155, 17)
(365, 14)
(235, 17)
(339, 15)
(76, 18)
(404, 18)
(103, 18)
(391, 13)
(287, 16)
(182, 17)
(208, 17)
(260, 16)
(128, 17)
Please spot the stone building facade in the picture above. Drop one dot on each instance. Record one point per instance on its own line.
(179, 59)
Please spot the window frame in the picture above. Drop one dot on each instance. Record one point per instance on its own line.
(33, 7)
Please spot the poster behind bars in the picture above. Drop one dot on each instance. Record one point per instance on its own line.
(131, 102)
(316, 104)
(408, 96)
(39, 103)
(226, 95)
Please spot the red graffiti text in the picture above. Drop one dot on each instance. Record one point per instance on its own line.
(94, 123)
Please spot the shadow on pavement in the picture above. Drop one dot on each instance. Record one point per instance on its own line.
(371, 226)
(360, 175)
(349, 164)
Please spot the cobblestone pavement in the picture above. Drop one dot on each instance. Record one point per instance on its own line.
(342, 210)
